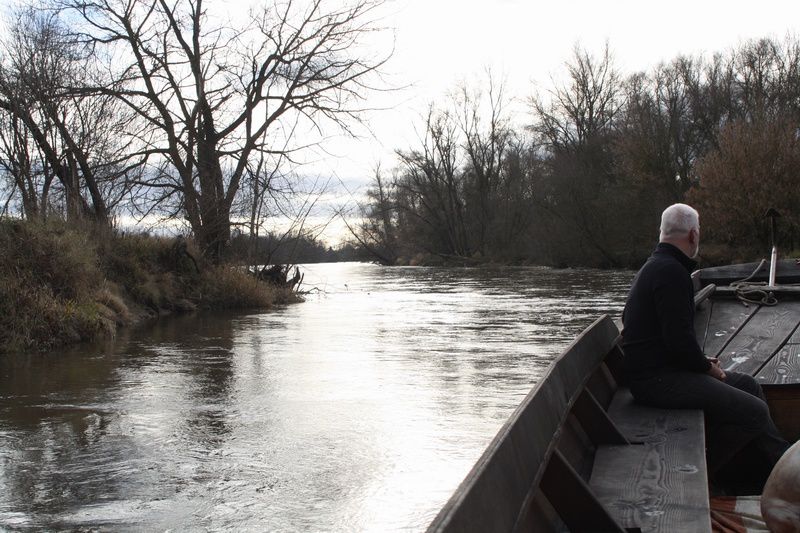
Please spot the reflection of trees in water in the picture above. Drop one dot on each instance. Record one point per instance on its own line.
(74, 425)
(53, 427)
(204, 358)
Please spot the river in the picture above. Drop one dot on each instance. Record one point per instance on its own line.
(361, 409)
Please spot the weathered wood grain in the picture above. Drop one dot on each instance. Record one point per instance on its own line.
(657, 486)
(640, 423)
(784, 366)
(727, 317)
(760, 338)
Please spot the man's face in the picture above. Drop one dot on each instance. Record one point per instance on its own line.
(696, 242)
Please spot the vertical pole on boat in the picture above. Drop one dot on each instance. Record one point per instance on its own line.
(773, 215)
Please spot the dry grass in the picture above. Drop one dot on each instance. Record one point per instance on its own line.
(226, 287)
(60, 284)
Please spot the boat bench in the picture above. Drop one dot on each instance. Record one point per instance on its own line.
(580, 455)
(648, 469)
(657, 482)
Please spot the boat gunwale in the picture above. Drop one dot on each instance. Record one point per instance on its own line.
(504, 435)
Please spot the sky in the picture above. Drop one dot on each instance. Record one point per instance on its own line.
(439, 44)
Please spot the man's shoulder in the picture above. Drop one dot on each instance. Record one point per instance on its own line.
(663, 268)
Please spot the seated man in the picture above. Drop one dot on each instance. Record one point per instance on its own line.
(665, 364)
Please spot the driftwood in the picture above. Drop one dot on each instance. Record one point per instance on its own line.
(278, 275)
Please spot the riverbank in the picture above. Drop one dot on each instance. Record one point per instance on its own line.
(711, 254)
(61, 284)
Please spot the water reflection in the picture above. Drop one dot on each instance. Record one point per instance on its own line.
(361, 409)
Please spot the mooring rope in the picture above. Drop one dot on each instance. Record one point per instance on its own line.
(752, 292)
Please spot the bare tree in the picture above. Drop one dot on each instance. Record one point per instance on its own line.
(376, 231)
(215, 97)
(77, 135)
(487, 136)
(577, 126)
(586, 107)
(430, 186)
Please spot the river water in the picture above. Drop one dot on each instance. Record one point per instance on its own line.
(361, 409)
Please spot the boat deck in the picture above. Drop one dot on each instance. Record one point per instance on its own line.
(760, 340)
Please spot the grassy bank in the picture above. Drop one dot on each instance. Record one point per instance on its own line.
(62, 284)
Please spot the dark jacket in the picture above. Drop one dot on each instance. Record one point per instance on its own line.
(658, 320)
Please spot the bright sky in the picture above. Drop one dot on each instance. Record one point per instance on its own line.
(440, 43)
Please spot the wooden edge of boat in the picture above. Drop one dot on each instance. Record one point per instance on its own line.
(577, 454)
(499, 484)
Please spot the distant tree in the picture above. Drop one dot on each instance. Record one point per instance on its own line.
(487, 136)
(376, 230)
(754, 168)
(576, 125)
(578, 112)
(429, 188)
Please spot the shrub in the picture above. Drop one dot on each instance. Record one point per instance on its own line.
(225, 287)
(61, 284)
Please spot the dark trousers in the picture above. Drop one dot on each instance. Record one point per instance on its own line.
(735, 410)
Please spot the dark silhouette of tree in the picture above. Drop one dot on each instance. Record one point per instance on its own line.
(53, 129)
(215, 98)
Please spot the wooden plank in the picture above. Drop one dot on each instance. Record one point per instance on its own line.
(602, 385)
(595, 420)
(780, 292)
(540, 516)
(576, 447)
(657, 486)
(574, 501)
(726, 319)
(760, 338)
(640, 423)
(502, 484)
(660, 484)
(784, 367)
(784, 405)
(704, 294)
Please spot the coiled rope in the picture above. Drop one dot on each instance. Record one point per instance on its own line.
(753, 292)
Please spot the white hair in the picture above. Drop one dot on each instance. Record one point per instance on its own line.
(678, 219)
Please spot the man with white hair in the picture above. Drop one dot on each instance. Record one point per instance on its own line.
(666, 366)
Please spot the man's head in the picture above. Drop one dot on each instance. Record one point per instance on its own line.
(680, 226)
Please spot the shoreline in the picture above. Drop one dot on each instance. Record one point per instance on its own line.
(63, 284)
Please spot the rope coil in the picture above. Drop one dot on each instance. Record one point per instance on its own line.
(752, 292)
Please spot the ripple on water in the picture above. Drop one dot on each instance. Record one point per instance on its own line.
(361, 409)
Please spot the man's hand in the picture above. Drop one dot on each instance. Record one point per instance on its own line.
(715, 370)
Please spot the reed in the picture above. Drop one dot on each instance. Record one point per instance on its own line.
(63, 283)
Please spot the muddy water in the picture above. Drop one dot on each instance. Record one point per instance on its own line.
(358, 410)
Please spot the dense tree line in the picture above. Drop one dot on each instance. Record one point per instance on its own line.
(603, 154)
(290, 249)
(170, 107)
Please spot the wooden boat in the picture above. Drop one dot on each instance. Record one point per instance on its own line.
(580, 455)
